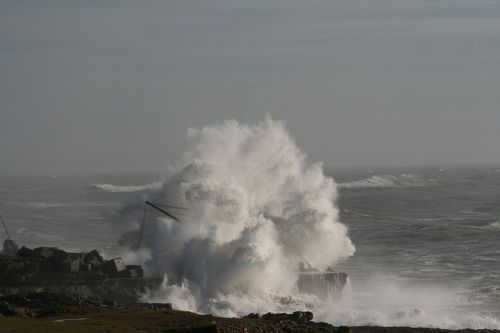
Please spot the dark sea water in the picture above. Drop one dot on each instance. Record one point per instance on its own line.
(424, 236)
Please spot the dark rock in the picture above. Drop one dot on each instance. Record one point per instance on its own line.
(325, 285)
(26, 252)
(109, 303)
(344, 329)
(70, 265)
(93, 258)
(113, 267)
(302, 316)
(51, 253)
(85, 267)
(252, 316)
(131, 271)
(54, 270)
(7, 309)
(149, 306)
(210, 328)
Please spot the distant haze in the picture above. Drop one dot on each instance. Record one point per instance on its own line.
(111, 86)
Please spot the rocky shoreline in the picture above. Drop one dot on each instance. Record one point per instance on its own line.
(83, 292)
(74, 313)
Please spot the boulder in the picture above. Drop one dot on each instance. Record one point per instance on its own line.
(344, 329)
(70, 265)
(51, 253)
(252, 316)
(114, 266)
(302, 316)
(85, 267)
(26, 252)
(93, 258)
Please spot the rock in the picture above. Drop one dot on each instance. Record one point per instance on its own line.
(252, 316)
(93, 258)
(70, 265)
(85, 267)
(150, 306)
(7, 309)
(325, 285)
(50, 253)
(26, 252)
(298, 317)
(302, 316)
(131, 271)
(195, 328)
(114, 266)
(344, 329)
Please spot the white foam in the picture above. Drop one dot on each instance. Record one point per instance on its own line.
(495, 224)
(388, 181)
(128, 188)
(256, 209)
(381, 302)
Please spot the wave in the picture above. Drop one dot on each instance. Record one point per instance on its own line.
(257, 208)
(38, 235)
(402, 180)
(128, 188)
(495, 224)
(45, 205)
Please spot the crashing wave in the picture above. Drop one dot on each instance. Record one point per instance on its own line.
(388, 181)
(256, 208)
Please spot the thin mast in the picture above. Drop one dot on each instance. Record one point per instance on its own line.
(146, 204)
(5, 227)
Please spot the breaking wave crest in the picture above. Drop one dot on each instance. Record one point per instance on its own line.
(128, 188)
(388, 181)
(255, 209)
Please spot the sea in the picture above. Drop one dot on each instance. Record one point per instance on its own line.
(427, 238)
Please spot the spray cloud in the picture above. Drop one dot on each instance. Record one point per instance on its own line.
(255, 208)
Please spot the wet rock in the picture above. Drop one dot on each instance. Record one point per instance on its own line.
(301, 317)
(114, 266)
(326, 285)
(131, 271)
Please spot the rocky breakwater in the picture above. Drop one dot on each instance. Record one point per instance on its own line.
(89, 274)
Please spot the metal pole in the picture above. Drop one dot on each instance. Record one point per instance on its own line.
(5, 227)
(142, 226)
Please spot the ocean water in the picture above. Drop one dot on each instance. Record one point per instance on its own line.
(426, 238)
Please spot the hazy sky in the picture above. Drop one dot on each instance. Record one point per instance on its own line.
(95, 85)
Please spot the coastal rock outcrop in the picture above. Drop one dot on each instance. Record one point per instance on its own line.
(60, 272)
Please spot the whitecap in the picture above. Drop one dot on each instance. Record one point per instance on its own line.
(128, 188)
(388, 181)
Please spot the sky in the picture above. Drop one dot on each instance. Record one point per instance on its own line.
(112, 86)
